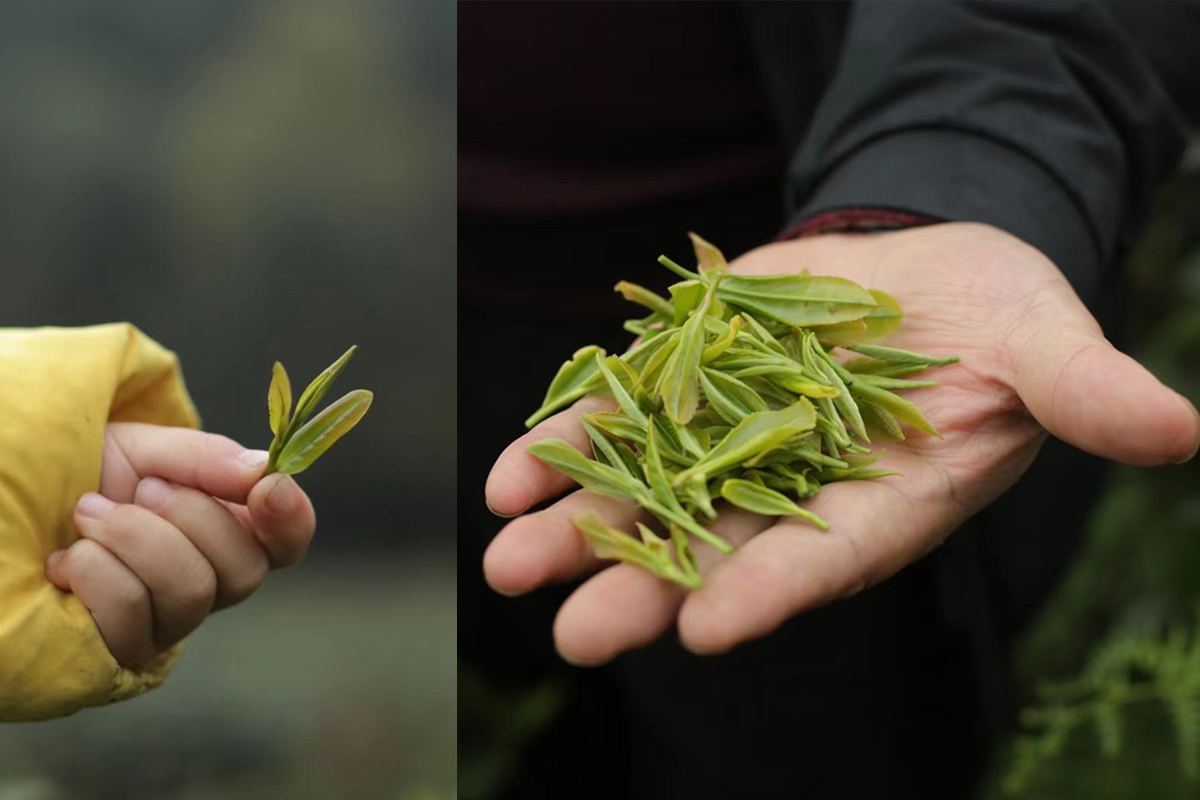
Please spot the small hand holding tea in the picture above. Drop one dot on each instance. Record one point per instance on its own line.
(186, 523)
(1032, 360)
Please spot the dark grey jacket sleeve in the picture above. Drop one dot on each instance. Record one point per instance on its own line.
(1044, 119)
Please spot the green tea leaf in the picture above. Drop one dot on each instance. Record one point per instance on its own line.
(881, 420)
(844, 403)
(731, 398)
(656, 474)
(811, 455)
(791, 378)
(619, 426)
(698, 495)
(314, 393)
(644, 297)
(279, 400)
(843, 334)
(591, 475)
(775, 396)
(894, 356)
(801, 485)
(755, 435)
(725, 341)
(854, 473)
(685, 521)
(902, 409)
(623, 398)
(678, 270)
(708, 258)
(683, 553)
(639, 354)
(885, 382)
(691, 442)
(763, 335)
(680, 381)
(686, 297)
(575, 379)
(603, 448)
(873, 366)
(652, 372)
(798, 300)
(652, 553)
(761, 500)
(641, 327)
(885, 318)
(881, 322)
(318, 434)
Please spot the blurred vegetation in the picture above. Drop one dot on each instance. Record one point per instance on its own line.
(1139, 566)
(250, 181)
(333, 683)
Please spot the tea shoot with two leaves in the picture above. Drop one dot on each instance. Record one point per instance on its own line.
(732, 393)
(299, 441)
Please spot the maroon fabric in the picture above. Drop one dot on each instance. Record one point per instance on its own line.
(568, 108)
(849, 220)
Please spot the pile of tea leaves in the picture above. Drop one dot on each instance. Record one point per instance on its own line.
(731, 393)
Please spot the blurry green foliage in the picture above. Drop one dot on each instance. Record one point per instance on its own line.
(1139, 566)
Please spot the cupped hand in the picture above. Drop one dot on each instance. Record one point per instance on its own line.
(1032, 360)
(184, 524)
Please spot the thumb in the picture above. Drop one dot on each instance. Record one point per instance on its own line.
(1089, 394)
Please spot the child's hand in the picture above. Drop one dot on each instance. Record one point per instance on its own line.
(182, 526)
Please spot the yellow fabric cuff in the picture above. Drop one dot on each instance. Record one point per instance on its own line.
(58, 389)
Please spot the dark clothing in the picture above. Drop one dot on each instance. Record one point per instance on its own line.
(591, 138)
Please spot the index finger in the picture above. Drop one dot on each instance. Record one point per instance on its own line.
(519, 481)
(210, 463)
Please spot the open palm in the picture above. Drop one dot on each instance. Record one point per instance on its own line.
(1032, 360)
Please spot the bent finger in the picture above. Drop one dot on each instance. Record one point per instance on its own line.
(180, 580)
(626, 607)
(518, 481)
(118, 601)
(237, 559)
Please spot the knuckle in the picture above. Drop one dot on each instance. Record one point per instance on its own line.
(121, 529)
(216, 445)
(85, 557)
(197, 591)
(129, 595)
(245, 582)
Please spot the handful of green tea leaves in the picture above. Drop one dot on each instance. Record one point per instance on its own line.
(732, 393)
(299, 441)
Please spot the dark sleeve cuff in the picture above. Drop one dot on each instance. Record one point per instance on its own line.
(954, 175)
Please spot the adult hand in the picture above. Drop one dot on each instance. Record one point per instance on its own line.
(1032, 360)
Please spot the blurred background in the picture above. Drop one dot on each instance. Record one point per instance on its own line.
(1139, 566)
(251, 181)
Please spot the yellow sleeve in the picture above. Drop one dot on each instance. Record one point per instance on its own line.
(58, 388)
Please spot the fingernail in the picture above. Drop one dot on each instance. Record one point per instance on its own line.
(53, 559)
(152, 493)
(579, 662)
(699, 651)
(253, 458)
(94, 505)
(282, 497)
(497, 513)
